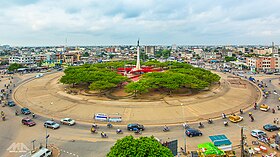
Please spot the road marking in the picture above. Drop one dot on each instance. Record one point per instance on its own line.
(69, 153)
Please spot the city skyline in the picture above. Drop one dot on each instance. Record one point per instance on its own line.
(92, 22)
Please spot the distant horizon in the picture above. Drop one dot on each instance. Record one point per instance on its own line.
(37, 23)
(135, 45)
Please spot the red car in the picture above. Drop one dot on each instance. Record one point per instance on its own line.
(27, 121)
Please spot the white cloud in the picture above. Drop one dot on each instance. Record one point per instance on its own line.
(48, 22)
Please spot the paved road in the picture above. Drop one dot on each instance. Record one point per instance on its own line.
(78, 141)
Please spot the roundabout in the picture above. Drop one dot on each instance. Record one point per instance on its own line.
(46, 96)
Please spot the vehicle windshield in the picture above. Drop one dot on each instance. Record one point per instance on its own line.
(28, 120)
(53, 123)
(69, 120)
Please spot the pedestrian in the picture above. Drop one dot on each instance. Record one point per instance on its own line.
(274, 120)
(250, 114)
(277, 121)
(33, 115)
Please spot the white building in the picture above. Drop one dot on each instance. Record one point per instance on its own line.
(22, 59)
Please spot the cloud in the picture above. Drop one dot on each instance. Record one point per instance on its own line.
(91, 22)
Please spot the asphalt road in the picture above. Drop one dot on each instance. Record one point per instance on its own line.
(78, 141)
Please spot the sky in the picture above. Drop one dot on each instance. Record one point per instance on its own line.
(155, 22)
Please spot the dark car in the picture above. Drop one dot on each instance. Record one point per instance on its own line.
(133, 127)
(11, 103)
(270, 127)
(27, 121)
(25, 111)
(193, 132)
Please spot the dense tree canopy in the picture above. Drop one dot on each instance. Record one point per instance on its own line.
(98, 78)
(141, 147)
(103, 76)
(14, 66)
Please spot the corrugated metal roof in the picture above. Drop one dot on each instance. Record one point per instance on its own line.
(220, 140)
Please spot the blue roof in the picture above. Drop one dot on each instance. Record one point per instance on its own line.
(220, 140)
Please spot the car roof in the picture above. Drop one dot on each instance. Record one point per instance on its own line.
(192, 129)
(49, 121)
(25, 108)
(257, 131)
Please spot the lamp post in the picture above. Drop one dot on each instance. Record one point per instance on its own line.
(47, 136)
(184, 130)
(33, 146)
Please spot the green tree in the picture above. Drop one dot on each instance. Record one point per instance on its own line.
(141, 147)
(228, 59)
(101, 86)
(86, 54)
(14, 66)
(137, 88)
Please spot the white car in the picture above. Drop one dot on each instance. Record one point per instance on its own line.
(257, 133)
(67, 121)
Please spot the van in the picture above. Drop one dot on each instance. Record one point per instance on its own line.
(43, 152)
(39, 75)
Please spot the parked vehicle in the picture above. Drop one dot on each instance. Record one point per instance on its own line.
(193, 132)
(67, 121)
(133, 127)
(11, 103)
(25, 111)
(51, 124)
(257, 133)
(43, 152)
(270, 127)
(27, 121)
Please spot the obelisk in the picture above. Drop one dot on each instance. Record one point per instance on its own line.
(138, 67)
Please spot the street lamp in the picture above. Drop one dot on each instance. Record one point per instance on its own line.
(184, 131)
(47, 136)
(33, 147)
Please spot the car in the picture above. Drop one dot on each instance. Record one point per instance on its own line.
(27, 121)
(25, 111)
(257, 133)
(11, 103)
(270, 127)
(193, 132)
(264, 107)
(133, 127)
(67, 121)
(51, 124)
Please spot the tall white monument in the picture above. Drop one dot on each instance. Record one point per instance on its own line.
(138, 67)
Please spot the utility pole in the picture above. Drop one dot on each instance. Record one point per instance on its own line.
(47, 136)
(242, 143)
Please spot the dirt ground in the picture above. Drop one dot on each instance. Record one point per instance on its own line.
(47, 96)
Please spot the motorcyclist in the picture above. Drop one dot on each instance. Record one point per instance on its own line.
(210, 121)
(255, 106)
(225, 123)
(16, 112)
(165, 128)
(185, 125)
(250, 114)
(224, 115)
(103, 134)
(33, 115)
(2, 113)
(273, 110)
(93, 130)
(137, 131)
(109, 125)
(241, 111)
(118, 130)
(94, 126)
(200, 125)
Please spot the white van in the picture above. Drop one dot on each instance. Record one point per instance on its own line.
(43, 152)
(39, 75)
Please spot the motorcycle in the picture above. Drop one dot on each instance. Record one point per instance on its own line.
(103, 135)
(200, 125)
(3, 118)
(109, 125)
(165, 129)
(93, 131)
(210, 121)
(137, 132)
(225, 123)
(119, 131)
(273, 110)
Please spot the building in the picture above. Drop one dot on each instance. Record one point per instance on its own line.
(150, 50)
(22, 59)
(264, 63)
